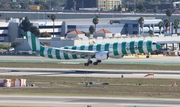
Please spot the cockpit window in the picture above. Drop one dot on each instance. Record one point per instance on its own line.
(154, 43)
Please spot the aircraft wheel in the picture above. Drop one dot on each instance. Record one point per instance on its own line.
(147, 56)
(98, 61)
(86, 64)
(95, 63)
(90, 61)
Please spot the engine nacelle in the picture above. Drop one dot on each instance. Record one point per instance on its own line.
(178, 53)
(102, 55)
(118, 56)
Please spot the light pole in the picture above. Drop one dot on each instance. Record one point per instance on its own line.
(135, 5)
(53, 17)
(49, 4)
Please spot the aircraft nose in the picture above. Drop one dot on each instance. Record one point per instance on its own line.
(158, 46)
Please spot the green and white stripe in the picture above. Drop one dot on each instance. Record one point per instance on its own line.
(145, 47)
(123, 48)
(74, 56)
(136, 47)
(94, 47)
(140, 46)
(119, 48)
(110, 49)
(62, 55)
(149, 47)
(106, 47)
(78, 48)
(132, 47)
(70, 56)
(33, 41)
(115, 49)
(98, 47)
(45, 51)
(102, 46)
(128, 51)
(53, 54)
(57, 52)
(86, 47)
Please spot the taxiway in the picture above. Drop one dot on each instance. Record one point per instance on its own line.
(63, 101)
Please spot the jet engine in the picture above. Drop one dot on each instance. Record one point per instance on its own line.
(178, 53)
(102, 55)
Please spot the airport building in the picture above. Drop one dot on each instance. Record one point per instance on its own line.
(127, 27)
(131, 27)
(61, 15)
(108, 4)
(86, 4)
(70, 32)
(121, 27)
(99, 4)
(11, 29)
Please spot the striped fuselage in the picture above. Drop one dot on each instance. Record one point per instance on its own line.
(114, 49)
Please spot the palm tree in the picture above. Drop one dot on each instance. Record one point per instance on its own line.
(119, 7)
(176, 24)
(141, 21)
(115, 8)
(166, 23)
(91, 29)
(169, 13)
(95, 21)
(35, 31)
(160, 24)
(26, 25)
(53, 17)
(150, 32)
(74, 5)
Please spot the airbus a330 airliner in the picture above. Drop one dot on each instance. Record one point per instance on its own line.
(98, 51)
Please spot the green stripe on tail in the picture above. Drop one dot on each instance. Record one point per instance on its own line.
(33, 42)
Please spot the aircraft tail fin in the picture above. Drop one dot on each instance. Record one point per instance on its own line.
(33, 41)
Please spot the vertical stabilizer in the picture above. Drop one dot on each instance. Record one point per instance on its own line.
(33, 41)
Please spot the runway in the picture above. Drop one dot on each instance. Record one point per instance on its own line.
(16, 100)
(151, 60)
(51, 101)
(89, 73)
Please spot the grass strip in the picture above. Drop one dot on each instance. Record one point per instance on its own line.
(115, 87)
(81, 66)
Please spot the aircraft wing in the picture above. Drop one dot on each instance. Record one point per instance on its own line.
(78, 52)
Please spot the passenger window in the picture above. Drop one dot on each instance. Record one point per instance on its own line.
(135, 47)
(127, 48)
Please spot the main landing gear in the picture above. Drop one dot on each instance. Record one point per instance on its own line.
(90, 62)
(147, 55)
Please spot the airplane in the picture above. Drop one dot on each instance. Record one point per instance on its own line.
(98, 51)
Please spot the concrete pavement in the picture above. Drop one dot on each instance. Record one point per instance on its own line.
(151, 60)
(90, 73)
(17, 100)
